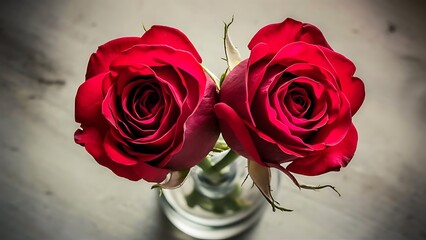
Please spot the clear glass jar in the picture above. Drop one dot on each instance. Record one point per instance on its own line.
(216, 206)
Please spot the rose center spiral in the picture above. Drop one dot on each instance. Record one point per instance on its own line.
(146, 99)
(297, 101)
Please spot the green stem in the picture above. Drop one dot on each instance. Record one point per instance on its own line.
(206, 165)
(214, 169)
(225, 161)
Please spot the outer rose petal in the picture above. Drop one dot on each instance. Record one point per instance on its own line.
(171, 37)
(159, 56)
(148, 173)
(312, 34)
(353, 87)
(201, 132)
(277, 35)
(355, 92)
(270, 152)
(92, 139)
(236, 133)
(99, 62)
(88, 101)
(234, 90)
(280, 34)
(330, 159)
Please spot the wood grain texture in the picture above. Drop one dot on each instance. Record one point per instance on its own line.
(50, 188)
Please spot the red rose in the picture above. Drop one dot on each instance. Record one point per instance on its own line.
(146, 107)
(292, 101)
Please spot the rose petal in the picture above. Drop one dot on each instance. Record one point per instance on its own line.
(300, 52)
(139, 152)
(353, 87)
(130, 73)
(355, 92)
(330, 159)
(149, 173)
(109, 108)
(267, 120)
(235, 132)
(160, 56)
(277, 35)
(333, 133)
(170, 37)
(257, 68)
(285, 145)
(92, 139)
(113, 151)
(271, 151)
(233, 91)
(175, 82)
(313, 72)
(88, 101)
(201, 132)
(298, 101)
(100, 60)
(136, 107)
(304, 124)
(311, 34)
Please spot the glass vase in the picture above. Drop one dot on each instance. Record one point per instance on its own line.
(216, 206)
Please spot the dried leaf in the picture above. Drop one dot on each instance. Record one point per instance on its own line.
(286, 172)
(261, 177)
(176, 179)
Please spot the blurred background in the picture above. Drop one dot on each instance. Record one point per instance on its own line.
(50, 188)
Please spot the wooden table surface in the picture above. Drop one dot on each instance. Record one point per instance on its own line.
(50, 188)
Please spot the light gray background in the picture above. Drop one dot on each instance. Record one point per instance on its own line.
(50, 188)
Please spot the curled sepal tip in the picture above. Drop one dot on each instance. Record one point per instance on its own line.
(261, 177)
(175, 180)
(144, 27)
(232, 55)
(320, 187)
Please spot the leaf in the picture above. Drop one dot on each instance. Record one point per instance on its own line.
(176, 179)
(233, 57)
(261, 177)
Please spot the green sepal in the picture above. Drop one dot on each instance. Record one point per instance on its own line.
(232, 55)
(309, 187)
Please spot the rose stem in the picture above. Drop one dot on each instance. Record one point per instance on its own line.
(206, 165)
(225, 161)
